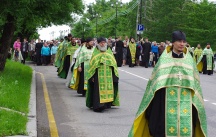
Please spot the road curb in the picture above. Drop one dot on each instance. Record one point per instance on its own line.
(32, 118)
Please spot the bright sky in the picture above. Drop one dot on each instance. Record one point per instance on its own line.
(54, 31)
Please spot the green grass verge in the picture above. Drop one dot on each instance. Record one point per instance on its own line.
(15, 87)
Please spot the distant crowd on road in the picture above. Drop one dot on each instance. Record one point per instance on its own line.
(129, 52)
(42, 52)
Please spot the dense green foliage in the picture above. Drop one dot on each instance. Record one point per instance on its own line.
(15, 87)
(23, 17)
(31, 14)
(160, 17)
(126, 24)
(195, 19)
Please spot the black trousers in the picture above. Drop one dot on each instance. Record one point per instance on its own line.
(46, 60)
(38, 59)
(24, 55)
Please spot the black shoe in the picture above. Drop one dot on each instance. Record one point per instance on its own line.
(84, 93)
(98, 110)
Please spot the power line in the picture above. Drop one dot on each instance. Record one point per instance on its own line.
(118, 14)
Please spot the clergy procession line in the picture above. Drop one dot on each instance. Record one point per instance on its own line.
(89, 70)
(172, 104)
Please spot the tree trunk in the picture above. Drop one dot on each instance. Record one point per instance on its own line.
(5, 41)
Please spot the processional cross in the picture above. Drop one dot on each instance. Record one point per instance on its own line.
(180, 75)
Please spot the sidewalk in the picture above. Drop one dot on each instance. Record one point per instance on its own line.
(32, 121)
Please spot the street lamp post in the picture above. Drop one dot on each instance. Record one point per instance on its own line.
(116, 8)
(61, 33)
(83, 29)
(96, 16)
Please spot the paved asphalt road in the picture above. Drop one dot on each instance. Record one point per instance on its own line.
(74, 119)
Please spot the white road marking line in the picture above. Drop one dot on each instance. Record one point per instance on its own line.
(134, 74)
(148, 79)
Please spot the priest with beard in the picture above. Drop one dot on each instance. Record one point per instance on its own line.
(205, 63)
(102, 90)
(81, 67)
(72, 46)
(172, 105)
(75, 56)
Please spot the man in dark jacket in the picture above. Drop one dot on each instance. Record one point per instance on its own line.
(146, 49)
(38, 47)
(119, 51)
(24, 50)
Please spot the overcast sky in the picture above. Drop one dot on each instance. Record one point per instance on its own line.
(45, 33)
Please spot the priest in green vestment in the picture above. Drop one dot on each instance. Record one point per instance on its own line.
(197, 53)
(102, 88)
(205, 63)
(71, 47)
(73, 62)
(81, 67)
(131, 52)
(172, 105)
(190, 49)
(59, 55)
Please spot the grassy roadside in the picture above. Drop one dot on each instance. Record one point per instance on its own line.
(15, 87)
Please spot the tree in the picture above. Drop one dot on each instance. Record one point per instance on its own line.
(125, 25)
(26, 16)
(160, 18)
(193, 17)
(79, 29)
(200, 23)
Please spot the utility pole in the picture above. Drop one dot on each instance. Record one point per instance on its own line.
(96, 26)
(140, 21)
(96, 15)
(116, 22)
(116, 9)
(145, 9)
(137, 20)
(83, 29)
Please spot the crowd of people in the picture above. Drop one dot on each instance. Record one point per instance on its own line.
(126, 52)
(145, 53)
(42, 52)
(172, 104)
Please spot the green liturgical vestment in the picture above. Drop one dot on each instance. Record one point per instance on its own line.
(132, 47)
(209, 56)
(84, 56)
(106, 65)
(67, 53)
(180, 78)
(197, 54)
(59, 55)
